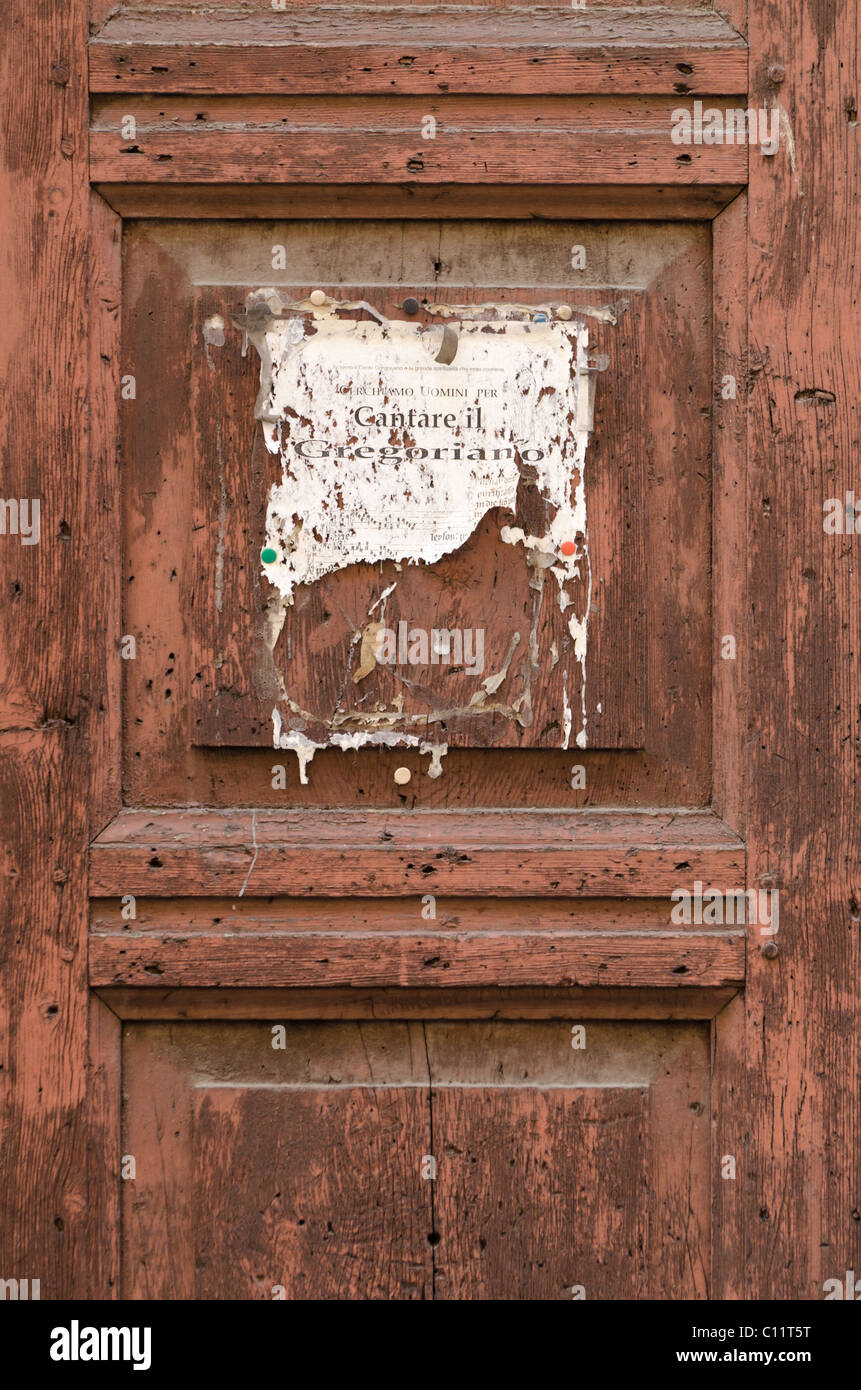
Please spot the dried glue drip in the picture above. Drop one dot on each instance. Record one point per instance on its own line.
(305, 748)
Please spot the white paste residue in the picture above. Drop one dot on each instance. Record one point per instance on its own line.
(305, 748)
(566, 712)
(437, 753)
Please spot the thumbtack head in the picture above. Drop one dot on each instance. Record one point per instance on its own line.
(269, 556)
(317, 297)
(410, 306)
(402, 776)
(564, 311)
(568, 547)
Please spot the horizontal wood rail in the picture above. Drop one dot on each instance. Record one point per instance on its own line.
(454, 49)
(176, 853)
(300, 155)
(449, 959)
(296, 943)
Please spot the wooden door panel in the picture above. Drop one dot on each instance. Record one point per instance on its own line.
(348, 1218)
(517, 1196)
(195, 513)
(306, 1167)
(221, 901)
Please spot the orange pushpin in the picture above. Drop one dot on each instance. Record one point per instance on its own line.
(568, 547)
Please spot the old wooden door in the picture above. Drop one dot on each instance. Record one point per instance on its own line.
(348, 952)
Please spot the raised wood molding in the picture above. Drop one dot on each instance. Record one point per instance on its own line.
(157, 1002)
(176, 853)
(673, 202)
(377, 50)
(375, 959)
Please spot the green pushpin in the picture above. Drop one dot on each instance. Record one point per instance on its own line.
(269, 556)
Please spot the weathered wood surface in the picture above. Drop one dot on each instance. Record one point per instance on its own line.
(349, 1216)
(104, 1150)
(400, 113)
(661, 427)
(670, 972)
(419, 958)
(524, 201)
(192, 916)
(391, 50)
(297, 156)
(802, 1186)
(258, 140)
(51, 684)
(574, 1003)
(222, 1202)
(339, 853)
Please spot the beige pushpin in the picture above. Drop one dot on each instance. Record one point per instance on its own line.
(402, 776)
(564, 311)
(318, 297)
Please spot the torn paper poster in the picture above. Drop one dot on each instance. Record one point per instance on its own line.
(396, 442)
(388, 455)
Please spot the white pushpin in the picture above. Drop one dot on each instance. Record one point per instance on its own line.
(318, 297)
(564, 311)
(402, 776)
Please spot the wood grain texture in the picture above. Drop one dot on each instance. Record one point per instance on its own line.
(395, 50)
(526, 201)
(340, 853)
(100, 10)
(729, 1122)
(729, 722)
(729, 513)
(103, 503)
(419, 958)
(803, 1186)
(192, 916)
(547, 150)
(324, 155)
(182, 114)
(47, 687)
(517, 1207)
(301, 1165)
(332, 1205)
(104, 1150)
(200, 1005)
